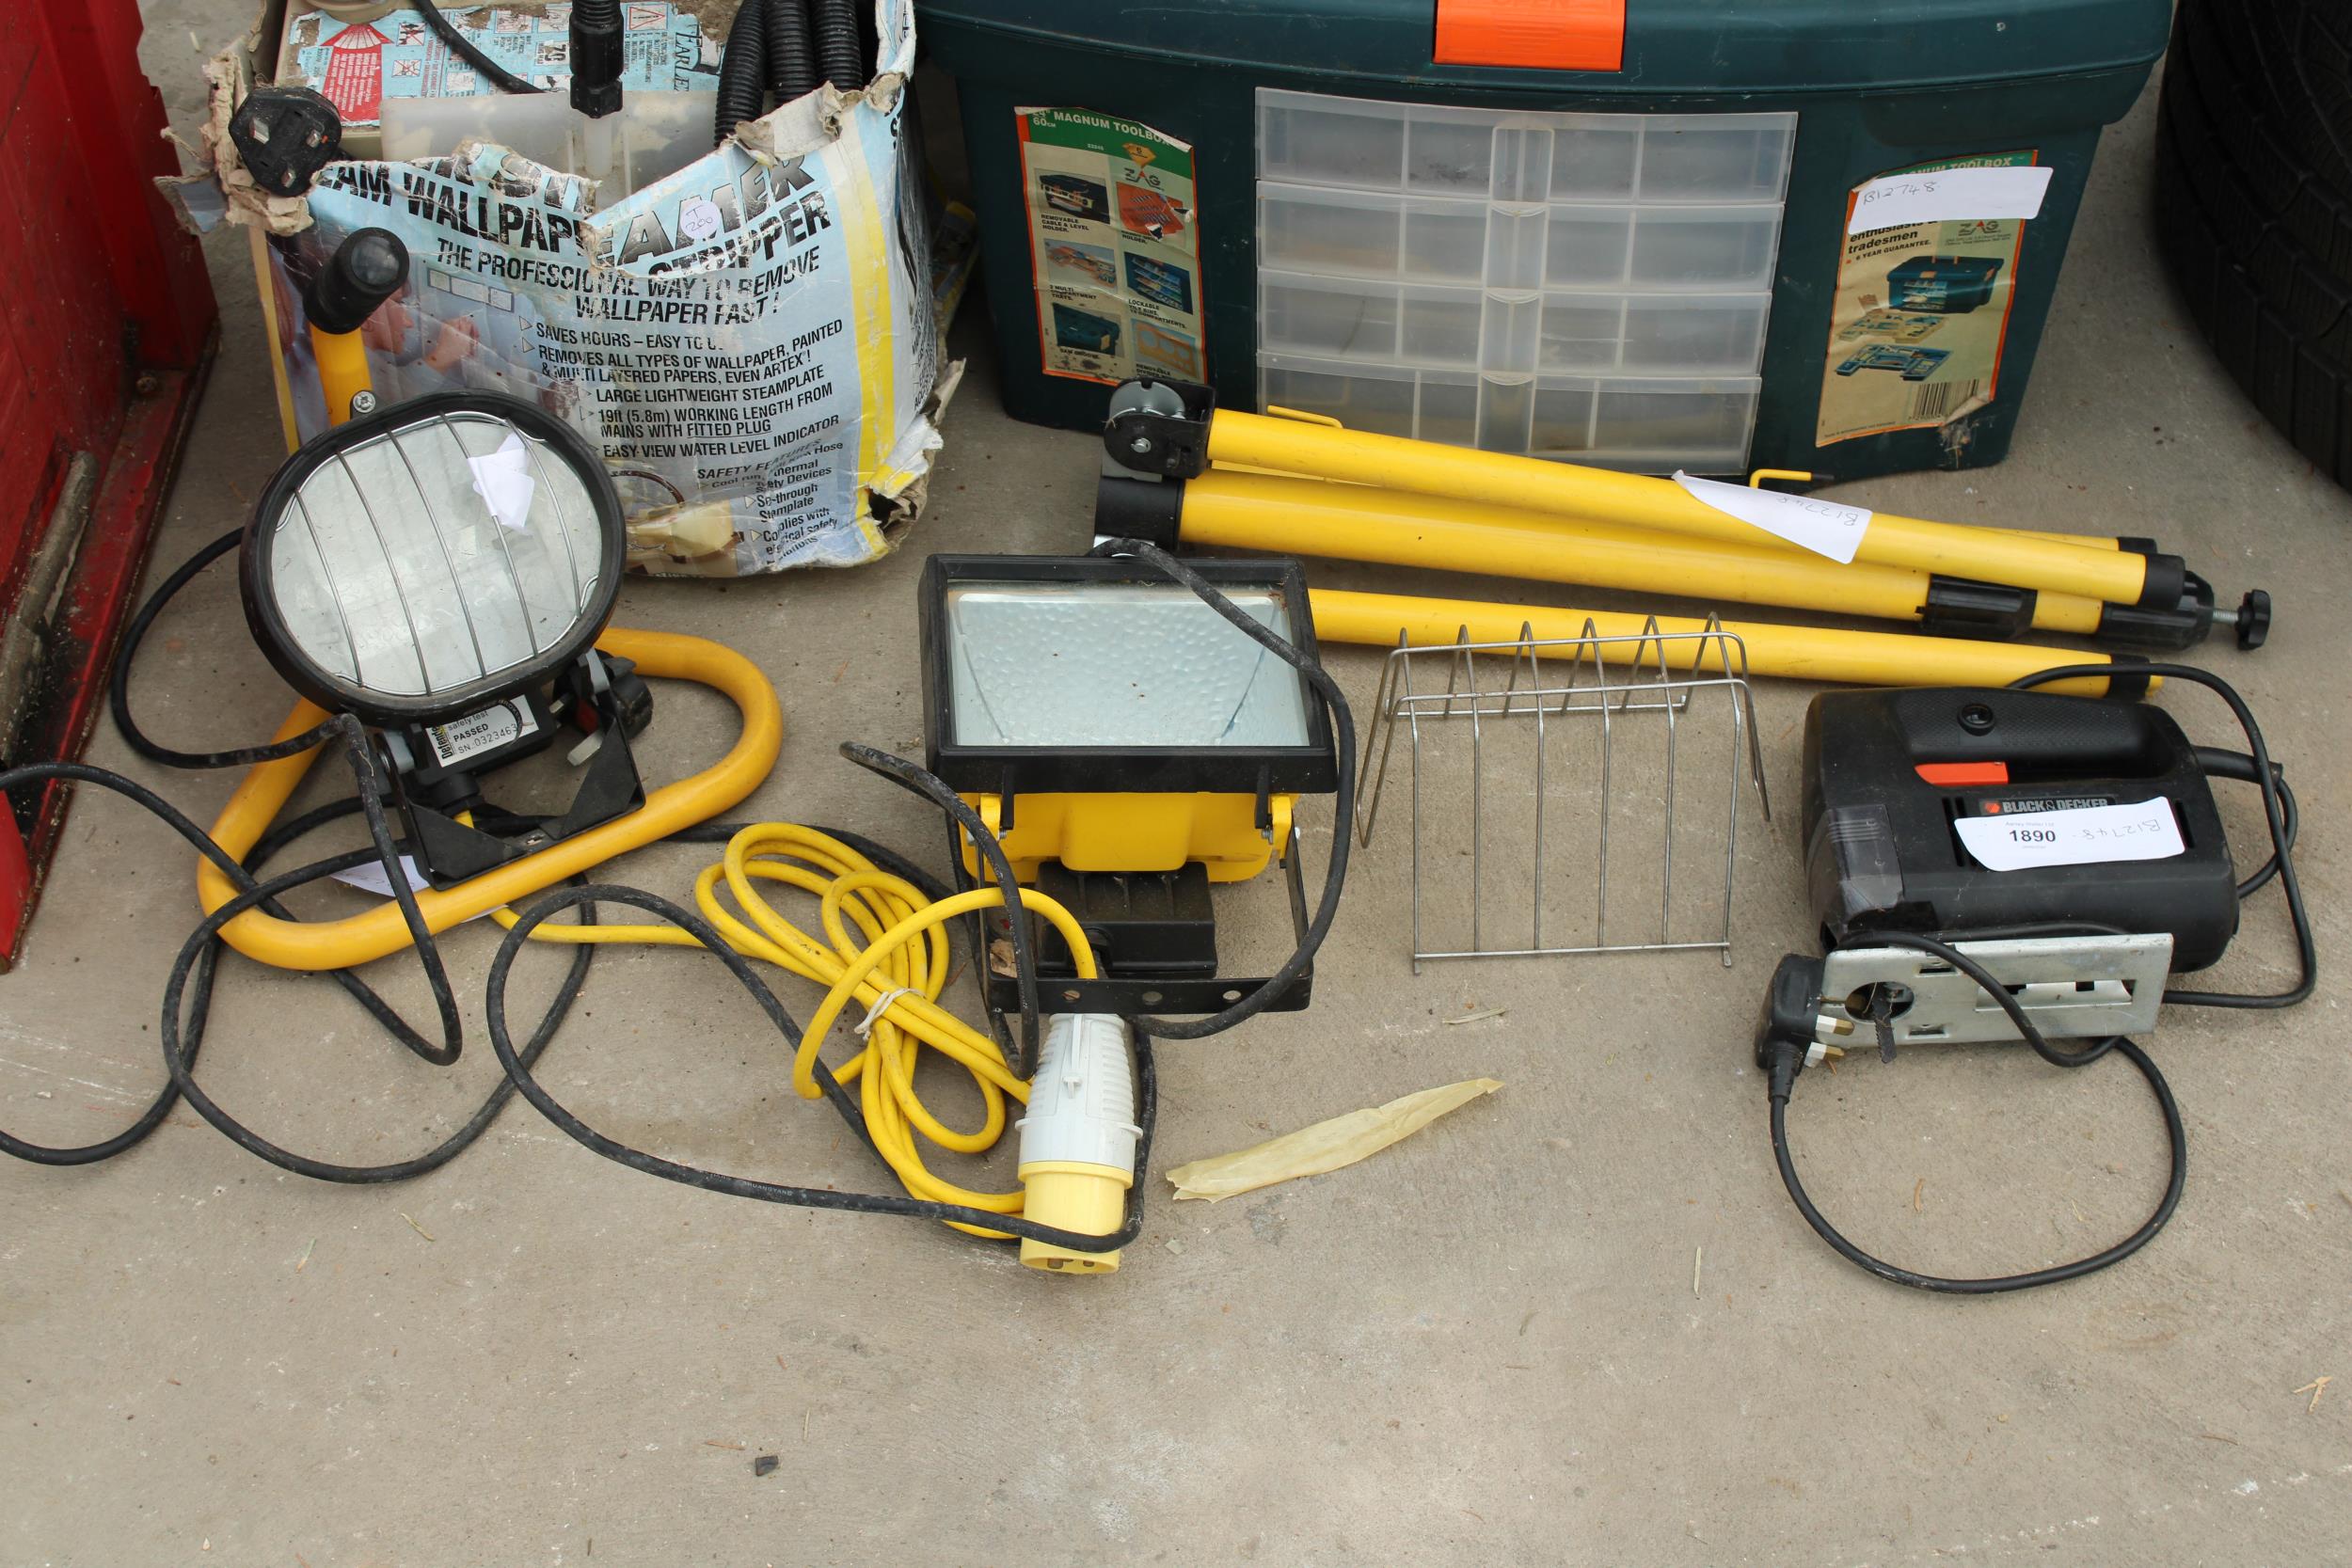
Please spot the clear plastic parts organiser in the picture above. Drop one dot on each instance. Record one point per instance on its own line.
(1591, 287)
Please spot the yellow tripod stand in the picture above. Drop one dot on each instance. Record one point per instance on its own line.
(1299, 484)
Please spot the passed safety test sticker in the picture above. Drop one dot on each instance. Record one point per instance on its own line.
(1114, 246)
(1924, 282)
(2080, 835)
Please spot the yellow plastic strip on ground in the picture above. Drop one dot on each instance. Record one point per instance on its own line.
(1327, 1145)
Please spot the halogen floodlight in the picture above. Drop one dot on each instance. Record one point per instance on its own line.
(442, 570)
(1078, 673)
(1129, 746)
(420, 563)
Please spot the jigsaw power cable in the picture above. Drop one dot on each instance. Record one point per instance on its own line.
(2279, 814)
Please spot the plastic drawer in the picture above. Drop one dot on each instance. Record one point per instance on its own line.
(1408, 324)
(1520, 157)
(1582, 332)
(1449, 152)
(1442, 326)
(1687, 422)
(1714, 247)
(1578, 420)
(1346, 233)
(1445, 242)
(1339, 234)
(1448, 410)
(1331, 141)
(1518, 242)
(1652, 424)
(1687, 334)
(1594, 157)
(1562, 425)
(1587, 245)
(1715, 157)
(1437, 406)
(1298, 314)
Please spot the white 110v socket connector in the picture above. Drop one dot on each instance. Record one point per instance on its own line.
(1078, 1139)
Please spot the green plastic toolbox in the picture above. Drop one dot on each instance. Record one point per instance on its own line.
(1658, 248)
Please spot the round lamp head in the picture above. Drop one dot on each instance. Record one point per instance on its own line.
(431, 559)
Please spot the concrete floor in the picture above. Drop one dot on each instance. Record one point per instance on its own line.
(1483, 1346)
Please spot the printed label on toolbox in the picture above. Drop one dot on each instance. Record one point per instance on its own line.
(1923, 297)
(1114, 246)
(477, 733)
(1893, 200)
(2085, 835)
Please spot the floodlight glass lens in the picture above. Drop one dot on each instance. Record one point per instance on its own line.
(436, 555)
(1117, 664)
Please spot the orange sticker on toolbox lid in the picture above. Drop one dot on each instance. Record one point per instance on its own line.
(1531, 35)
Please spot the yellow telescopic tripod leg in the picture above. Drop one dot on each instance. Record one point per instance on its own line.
(1353, 522)
(1797, 653)
(1635, 500)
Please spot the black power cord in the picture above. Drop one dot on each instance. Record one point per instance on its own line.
(1343, 803)
(518, 1071)
(465, 49)
(900, 771)
(190, 990)
(1783, 1056)
(1786, 1060)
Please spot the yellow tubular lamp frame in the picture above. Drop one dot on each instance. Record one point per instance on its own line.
(362, 938)
(342, 360)
(1351, 522)
(1322, 451)
(1798, 653)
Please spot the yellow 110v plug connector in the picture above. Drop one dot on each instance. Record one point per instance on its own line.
(1078, 1141)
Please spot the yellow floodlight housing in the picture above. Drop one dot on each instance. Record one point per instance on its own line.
(1129, 747)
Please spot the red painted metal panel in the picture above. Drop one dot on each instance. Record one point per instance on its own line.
(104, 349)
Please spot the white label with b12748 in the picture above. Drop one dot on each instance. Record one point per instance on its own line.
(1944, 195)
(2080, 835)
(1826, 528)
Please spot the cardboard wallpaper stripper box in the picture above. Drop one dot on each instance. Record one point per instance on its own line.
(753, 341)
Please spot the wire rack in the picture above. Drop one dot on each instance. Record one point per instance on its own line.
(1604, 724)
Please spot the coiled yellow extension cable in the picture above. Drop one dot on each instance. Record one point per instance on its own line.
(897, 971)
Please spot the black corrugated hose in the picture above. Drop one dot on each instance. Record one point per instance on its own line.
(838, 29)
(742, 70)
(783, 49)
(791, 53)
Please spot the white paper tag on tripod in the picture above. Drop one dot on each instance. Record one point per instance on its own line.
(2080, 835)
(1825, 528)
